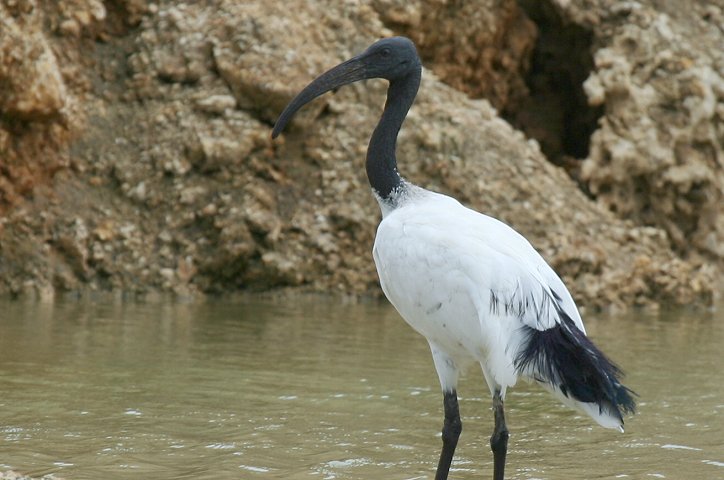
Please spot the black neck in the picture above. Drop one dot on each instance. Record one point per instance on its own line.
(381, 161)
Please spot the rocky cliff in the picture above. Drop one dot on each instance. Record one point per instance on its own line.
(135, 153)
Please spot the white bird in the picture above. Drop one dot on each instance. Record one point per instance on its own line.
(471, 285)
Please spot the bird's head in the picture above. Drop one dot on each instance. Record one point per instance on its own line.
(389, 58)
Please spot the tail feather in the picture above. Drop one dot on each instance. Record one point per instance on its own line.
(566, 361)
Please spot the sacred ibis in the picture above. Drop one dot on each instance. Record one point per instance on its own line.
(470, 284)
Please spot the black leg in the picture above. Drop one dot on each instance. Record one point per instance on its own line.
(499, 439)
(450, 433)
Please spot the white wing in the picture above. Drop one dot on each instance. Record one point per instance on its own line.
(522, 281)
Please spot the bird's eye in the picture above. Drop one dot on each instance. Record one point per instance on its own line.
(385, 52)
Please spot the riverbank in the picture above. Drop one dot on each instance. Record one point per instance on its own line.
(137, 157)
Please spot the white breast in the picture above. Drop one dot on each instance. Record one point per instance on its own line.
(439, 277)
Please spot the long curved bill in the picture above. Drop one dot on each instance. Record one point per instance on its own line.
(347, 72)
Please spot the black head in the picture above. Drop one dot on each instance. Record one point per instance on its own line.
(390, 58)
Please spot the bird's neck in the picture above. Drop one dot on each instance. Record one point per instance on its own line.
(381, 161)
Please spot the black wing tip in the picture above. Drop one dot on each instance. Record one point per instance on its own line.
(622, 403)
(625, 399)
(568, 360)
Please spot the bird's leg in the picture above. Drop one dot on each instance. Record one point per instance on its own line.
(450, 433)
(499, 439)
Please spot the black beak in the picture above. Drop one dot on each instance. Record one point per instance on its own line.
(348, 72)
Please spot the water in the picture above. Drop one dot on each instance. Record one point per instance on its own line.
(319, 389)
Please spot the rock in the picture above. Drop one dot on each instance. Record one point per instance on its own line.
(77, 16)
(227, 143)
(216, 104)
(483, 54)
(135, 9)
(657, 155)
(73, 242)
(282, 270)
(260, 60)
(172, 175)
(32, 85)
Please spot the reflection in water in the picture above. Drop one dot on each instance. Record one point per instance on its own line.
(317, 389)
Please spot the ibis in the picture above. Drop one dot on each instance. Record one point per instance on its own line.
(471, 285)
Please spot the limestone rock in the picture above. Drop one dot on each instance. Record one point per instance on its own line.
(657, 157)
(482, 48)
(173, 183)
(31, 86)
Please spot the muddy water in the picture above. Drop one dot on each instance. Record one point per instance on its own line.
(327, 390)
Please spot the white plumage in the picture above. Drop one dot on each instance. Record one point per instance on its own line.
(474, 287)
(468, 283)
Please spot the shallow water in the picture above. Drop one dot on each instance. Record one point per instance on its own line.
(328, 390)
